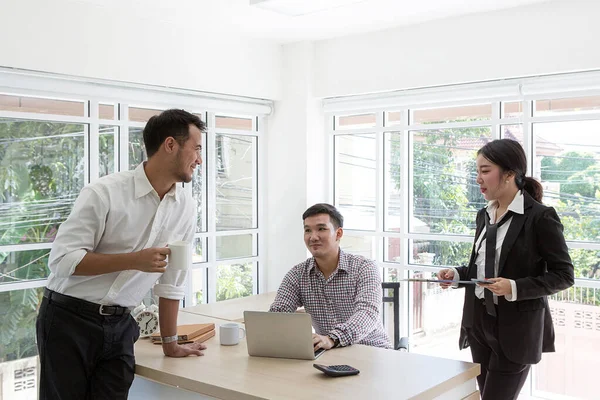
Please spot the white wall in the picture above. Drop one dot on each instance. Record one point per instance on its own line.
(124, 43)
(295, 156)
(560, 36)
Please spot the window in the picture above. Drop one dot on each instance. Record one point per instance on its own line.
(404, 179)
(51, 147)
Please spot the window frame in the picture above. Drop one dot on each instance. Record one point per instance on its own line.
(94, 92)
(523, 91)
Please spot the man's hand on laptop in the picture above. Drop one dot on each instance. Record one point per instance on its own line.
(322, 342)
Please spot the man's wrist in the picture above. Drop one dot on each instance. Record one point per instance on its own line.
(168, 339)
(334, 339)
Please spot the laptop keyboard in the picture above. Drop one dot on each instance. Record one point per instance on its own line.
(319, 352)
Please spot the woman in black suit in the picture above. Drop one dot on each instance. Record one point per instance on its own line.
(520, 249)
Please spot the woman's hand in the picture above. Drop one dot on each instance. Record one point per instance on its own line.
(500, 287)
(446, 275)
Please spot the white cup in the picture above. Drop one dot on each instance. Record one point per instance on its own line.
(231, 334)
(180, 255)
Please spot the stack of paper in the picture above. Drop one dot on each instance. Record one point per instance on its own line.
(189, 333)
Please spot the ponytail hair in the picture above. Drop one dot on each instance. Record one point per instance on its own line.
(531, 186)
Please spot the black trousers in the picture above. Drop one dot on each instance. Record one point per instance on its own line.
(500, 378)
(84, 355)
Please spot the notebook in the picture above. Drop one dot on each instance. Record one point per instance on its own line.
(187, 332)
(198, 339)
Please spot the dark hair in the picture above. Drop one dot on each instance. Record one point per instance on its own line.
(169, 123)
(510, 156)
(323, 208)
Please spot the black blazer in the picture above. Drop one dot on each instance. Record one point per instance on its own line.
(535, 255)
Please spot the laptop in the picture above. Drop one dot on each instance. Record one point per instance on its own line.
(280, 335)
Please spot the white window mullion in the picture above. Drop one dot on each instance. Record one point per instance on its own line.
(379, 184)
(260, 240)
(329, 121)
(211, 178)
(495, 128)
(406, 147)
(528, 140)
(94, 135)
(124, 138)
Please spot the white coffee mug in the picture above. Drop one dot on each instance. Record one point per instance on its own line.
(231, 334)
(180, 255)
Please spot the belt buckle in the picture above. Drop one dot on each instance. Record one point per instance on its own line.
(102, 312)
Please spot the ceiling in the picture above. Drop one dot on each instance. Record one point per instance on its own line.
(323, 19)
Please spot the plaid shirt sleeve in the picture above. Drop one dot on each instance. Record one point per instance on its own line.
(367, 305)
(288, 294)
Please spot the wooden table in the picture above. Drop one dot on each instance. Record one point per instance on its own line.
(227, 372)
(233, 310)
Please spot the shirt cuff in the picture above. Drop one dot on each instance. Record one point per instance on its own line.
(338, 334)
(513, 296)
(66, 266)
(171, 284)
(456, 278)
(170, 292)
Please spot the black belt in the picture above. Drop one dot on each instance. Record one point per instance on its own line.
(79, 305)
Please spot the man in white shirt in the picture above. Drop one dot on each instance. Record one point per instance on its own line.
(107, 255)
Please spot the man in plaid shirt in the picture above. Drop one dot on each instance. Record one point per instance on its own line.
(341, 292)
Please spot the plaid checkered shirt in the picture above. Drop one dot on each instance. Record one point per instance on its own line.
(347, 305)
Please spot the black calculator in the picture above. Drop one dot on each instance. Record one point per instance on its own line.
(337, 370)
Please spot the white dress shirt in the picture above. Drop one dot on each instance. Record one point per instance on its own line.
(517, 206)
(121, 213)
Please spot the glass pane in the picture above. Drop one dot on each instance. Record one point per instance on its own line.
(41, 174)
(567, 161)
(446, 196)
(235, 280)
(18, 361)
(235, 246)
(436, 318)
(18, 266)
(577, 105)
(198, 287)
(199, 190)
(142, 114)
(571, 370)
(393, 180)
(355, 121)
(476, 112)
(361, 245)
(137, 151)
(514, 132)
(513, 109)
(393, 118)
(244, 124)
(355, 180)
(586, 262)
(440, 252)
(236, 182)
(198, 251)
(108, 139)
(42, 106)
(106, 111)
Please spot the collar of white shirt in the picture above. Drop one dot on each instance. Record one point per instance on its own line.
(517, 206)
(143, 185)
